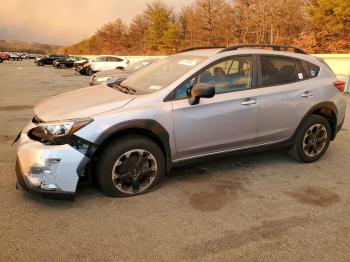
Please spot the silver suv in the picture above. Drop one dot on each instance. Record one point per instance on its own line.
(188, 106)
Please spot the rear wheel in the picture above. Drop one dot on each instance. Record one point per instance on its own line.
(40, 63)
(311, 140)
(129, 166)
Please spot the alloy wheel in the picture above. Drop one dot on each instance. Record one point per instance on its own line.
(315, 140)
(134, 171)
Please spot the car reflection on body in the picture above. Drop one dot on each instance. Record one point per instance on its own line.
(111, 76)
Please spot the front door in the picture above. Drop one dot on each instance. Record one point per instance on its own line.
(222, 123)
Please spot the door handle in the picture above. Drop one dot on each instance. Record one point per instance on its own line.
(249, 101)
(306, 94)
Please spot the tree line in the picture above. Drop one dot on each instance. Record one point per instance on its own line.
(318, 26)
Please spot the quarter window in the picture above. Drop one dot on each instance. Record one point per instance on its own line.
(280, 70)
(100, 59)
(113, 59)
(312, 69)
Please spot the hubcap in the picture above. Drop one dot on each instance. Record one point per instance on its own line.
(315, 140)
(134, 171)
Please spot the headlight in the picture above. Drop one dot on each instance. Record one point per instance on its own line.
(57, 131)
(102, 78)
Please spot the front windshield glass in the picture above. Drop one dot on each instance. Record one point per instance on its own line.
(162, 73)
(138, 65)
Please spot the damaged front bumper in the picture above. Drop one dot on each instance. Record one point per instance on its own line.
(25, 182)
(48, 170)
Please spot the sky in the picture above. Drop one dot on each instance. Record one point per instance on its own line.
(64, 22)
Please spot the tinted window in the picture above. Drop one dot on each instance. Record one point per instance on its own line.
(113, 59)
(280, 70)
(312, 69)
(229, 75)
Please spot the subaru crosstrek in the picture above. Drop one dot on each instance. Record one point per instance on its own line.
(191, 105)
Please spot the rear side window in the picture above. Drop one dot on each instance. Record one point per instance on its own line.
(312, 69)
(277, 70)
(113, 59)
(100, 59)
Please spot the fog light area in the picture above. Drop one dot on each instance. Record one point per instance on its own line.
(44, 176)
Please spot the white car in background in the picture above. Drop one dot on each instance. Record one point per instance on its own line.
(108, 62)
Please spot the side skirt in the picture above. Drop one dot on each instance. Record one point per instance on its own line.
(232, 152)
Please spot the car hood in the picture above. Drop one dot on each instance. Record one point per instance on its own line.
(81, 103)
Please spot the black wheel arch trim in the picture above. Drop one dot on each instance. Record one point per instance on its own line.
(315, 108)
(148, 125)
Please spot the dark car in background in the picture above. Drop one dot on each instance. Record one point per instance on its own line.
(67, 62)
(113, 75)
(49, 59)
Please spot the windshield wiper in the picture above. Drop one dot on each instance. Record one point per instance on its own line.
(124, 89)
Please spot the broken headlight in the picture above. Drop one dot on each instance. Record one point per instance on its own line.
(56, 132)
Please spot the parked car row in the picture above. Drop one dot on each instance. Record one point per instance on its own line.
(102, 69)
(15, 56)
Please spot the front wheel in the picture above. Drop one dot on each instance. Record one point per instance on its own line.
(311, 140)
(89, 72)
(129, 166)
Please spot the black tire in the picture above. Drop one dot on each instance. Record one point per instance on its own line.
(299, 152)
(62, 66)
(116, 150)
(40, 63)
(1, 60)
(89, 72)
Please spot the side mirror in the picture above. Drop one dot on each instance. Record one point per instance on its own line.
(201, 90)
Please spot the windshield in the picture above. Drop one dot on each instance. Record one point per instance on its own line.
(159, 75)
(138, 65)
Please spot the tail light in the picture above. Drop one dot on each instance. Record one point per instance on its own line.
(340, 85)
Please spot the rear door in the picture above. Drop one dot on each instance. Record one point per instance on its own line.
(113, 63)
(99, 63)
(285, 95)
(224, 122)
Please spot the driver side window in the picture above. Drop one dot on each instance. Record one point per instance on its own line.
(234, 74)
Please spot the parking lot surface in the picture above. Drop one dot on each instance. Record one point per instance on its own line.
(257, 207)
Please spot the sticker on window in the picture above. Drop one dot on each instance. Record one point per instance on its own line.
(188, 62)
(300, 75)
(155, 87)
(313, 73)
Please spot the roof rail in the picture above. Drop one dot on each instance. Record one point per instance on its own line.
(196, 48)
(274, 48)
